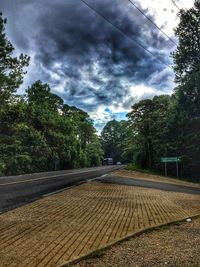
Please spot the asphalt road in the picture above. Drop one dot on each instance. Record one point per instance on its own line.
(150, 184)
(19, 190)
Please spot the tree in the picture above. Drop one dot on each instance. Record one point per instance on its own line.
(149, 126)
(85, 146)
(187, 55)
(11, 106)
(112, 138)
(11, 68)
(187, 69)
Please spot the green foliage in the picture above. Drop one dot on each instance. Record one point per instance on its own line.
(149, 123)
(133, 167)
(187, 111)
(46, 135)
(112, 138)
(2, 167)
(11, 68)
(187, 55)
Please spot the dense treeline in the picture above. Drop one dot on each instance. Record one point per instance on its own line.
(38, 131)
(112, 139)
(169, 126)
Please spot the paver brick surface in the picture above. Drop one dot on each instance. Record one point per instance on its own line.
(75, 222)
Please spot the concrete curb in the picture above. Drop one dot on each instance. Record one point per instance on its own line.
(145, 230)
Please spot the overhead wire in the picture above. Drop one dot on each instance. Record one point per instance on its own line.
(180, 9)
(166, 35)
(124, 33)
(176, 5)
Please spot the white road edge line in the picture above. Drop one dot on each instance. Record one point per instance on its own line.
(104, 175)
(67, 188)
(54, 192)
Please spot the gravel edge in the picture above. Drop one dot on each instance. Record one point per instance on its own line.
(145, 230)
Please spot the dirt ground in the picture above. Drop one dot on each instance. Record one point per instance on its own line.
(75, 222)
(174, 246)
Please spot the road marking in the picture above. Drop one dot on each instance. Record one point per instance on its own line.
(104, 175)
(63, 189)
(54, 192)
(96, 178)
(47, 177)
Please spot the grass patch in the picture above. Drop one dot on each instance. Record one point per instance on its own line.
(94, 255)
(97, 253)
(133, 167)
(161, 228)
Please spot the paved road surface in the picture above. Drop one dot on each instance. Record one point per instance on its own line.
(18, 190)
(150, 184)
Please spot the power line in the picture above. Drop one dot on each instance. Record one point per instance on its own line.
(180, 9)
(176, 5)
(153, 23)
(124, 33)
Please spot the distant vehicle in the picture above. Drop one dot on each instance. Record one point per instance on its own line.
(119, 163)
(108, 161)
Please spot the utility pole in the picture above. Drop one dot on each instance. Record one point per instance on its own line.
(177, 169)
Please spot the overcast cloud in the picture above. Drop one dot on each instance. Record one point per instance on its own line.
(88, 62)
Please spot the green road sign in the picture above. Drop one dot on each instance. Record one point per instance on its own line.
(170, 159)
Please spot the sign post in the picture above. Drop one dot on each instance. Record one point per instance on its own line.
(177, 170)
(165, 168)
(169, 160)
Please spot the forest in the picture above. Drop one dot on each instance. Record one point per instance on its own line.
(39, 132)
(166, 126)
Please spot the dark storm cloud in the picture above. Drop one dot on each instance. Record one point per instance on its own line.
(74, 49)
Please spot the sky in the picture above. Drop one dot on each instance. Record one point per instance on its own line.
(87, 61)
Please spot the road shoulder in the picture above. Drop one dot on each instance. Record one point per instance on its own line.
(154, 178)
